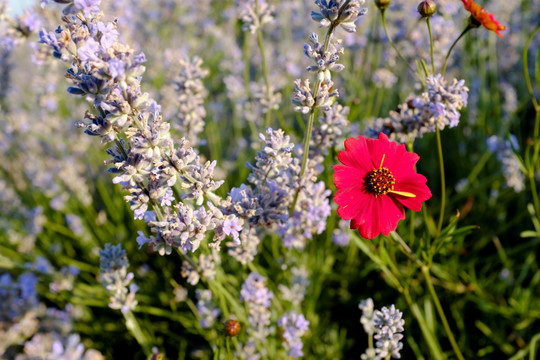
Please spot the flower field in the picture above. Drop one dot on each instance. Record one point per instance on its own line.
(268, 179)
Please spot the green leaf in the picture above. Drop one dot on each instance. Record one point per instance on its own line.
(537, 69)
(528, 234)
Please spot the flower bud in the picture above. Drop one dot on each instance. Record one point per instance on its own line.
(232, 328)
(427, 8)
(382, 4)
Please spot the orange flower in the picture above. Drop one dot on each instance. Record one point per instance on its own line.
(483, 17)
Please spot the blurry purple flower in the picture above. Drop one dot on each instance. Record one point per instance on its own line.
(294, 326)
(30, 21)
(437, 109)
(117, 68)
(208, 312)
(75, 223)
(88, 51)
(138, 214)
(141, 239)
(109, 34)
(41, 264)
(149, 216)
(231, 226)
(88, 6)
(28, 282)
(168, 198)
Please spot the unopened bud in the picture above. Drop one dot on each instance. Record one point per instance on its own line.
(232, 328)
(427, 8)
(382, 4)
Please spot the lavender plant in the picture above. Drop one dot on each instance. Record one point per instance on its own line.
(236, 187)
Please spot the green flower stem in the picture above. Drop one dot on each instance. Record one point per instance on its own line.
(228, 345)
(264, 68)
(368, 251)
(311, 120)
(431, 47)
(443, 182)
(528, 77)
(430, 337)
(405, 249)
(245, 58)
(413, 213)
(469, 27)
(427, 276)
(383, 18)
(217, 353)
(531, 170)
(534, 192)
(133, 327)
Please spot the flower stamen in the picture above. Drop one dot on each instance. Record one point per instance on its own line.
(379, 181)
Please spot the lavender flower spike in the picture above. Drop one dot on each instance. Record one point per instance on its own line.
(115, 278)
(388, 326)
(294, 326)
(334, 11)
(146, 161)
(258, 299)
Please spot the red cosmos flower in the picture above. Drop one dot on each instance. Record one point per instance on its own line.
(483, 17)
(376, 181)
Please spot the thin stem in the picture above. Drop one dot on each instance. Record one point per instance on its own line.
(383, 18)
(228, 344)
(245, 56)
(536, 124)
(427, 276)
(413, 215)
(405, 249)
(431, 46)
(527, 75)
(533, 164)
(311, 120)
(443, 182)
(431, 340)
(264, 68)
(534, 193)
(469, 27)
(133, 327)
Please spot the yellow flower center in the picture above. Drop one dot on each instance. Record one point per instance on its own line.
(380, 181)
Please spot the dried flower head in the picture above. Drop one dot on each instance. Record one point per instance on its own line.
(232, 328)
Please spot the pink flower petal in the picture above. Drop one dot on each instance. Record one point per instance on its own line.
(415, 184)
(356, 154)
(348, 177)
(352, 203)
(384, 216)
